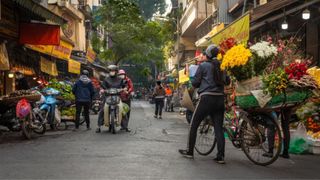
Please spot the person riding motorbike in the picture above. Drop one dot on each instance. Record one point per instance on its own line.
(111, 81)
(126, 97)
(169, 94)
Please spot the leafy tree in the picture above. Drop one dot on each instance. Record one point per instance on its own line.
(151, 7)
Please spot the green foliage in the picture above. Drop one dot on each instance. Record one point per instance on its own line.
(151, 7)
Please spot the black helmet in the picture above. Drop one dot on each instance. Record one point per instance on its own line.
(113, 67)
(212, 51)
(85, 72)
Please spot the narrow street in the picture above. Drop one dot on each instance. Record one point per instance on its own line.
(148, 152)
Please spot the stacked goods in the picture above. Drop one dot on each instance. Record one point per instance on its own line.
(68, 113)
(64, 89)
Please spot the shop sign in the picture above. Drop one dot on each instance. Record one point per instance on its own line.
(91, 55)
(183, 76)
(74, 66)
(239, 29)
(4, 58)
(48, 67)
(63, 51)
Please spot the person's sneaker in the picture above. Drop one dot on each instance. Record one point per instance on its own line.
(268, 154)
(128, 130)
(122, 129)
(286, 156)
(185, 153)
(160, 117)
(98, 130)
(155, 116)
(219, 160)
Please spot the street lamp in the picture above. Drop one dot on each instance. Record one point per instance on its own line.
(306, 14)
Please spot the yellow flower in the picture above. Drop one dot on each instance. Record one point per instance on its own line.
(237, 56)
(219, 57)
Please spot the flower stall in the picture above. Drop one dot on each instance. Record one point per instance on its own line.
(274, 75)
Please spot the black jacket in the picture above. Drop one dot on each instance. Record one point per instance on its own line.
(204, 79)
(114, 82)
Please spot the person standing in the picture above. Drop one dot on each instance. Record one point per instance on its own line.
(159, 95)
(210, 80)
(126, 97)
(169, 94)
(21, 82)
(84, 92)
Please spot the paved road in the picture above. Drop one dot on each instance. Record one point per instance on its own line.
(149, 152)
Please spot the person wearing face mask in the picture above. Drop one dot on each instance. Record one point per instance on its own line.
(111, 81)
(21, 82)
(126, 97)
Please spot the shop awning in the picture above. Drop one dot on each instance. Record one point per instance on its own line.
(183, 76)
(238, 29)
(205, 41)
(63, 51)
(40, 10)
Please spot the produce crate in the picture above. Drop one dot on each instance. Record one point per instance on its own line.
(249, 101)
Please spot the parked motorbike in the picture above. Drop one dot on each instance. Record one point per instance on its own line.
(48, 107)
(112, 109)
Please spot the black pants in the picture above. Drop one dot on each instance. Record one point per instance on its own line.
(214, 107)
(86, 107)
(125, 120)
(159, 105)
(285, 121)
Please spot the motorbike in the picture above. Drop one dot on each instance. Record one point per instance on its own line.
(112, 109)
(47, 108)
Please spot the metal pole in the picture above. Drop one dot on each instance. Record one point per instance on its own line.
(244, 7)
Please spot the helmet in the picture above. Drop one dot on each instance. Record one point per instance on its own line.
(113, 67)
(85, 72)
(121, 72)
(212, 51)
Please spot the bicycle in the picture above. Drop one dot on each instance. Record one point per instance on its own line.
(256, 133)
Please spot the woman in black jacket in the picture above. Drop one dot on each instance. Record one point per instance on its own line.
(210, 80)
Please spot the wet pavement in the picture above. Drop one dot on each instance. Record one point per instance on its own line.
(148, 152)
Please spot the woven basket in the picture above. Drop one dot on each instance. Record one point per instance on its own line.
(249, 101)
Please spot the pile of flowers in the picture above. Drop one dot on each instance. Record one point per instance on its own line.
(263, 54)
(275, 83)
(237, 56)
(264, 49)
(226, 45)
(296, 70)
(315, 73)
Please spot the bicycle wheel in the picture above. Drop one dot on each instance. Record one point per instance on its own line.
(206, 140)
(261, 139)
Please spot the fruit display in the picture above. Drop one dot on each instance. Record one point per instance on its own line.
(64, 88)
(313, 124)
(68, 112)
(314, 136)
(310, 115)
(96, 83)
(20, 93)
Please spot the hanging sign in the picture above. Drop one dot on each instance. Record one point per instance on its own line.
(74, 66)
(239, 30)
(63, 51)
(183, 77)
(48, 67)
(91, 55)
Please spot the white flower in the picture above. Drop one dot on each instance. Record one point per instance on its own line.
(264, 49)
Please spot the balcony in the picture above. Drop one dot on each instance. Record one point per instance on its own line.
(194, 14)
(206, 26)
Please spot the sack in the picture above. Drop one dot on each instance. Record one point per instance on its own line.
(126, 109)
(299, 143)
(23, 108)
(186, 101)
(57, 115)
(246, 86)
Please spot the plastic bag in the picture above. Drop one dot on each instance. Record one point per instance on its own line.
(299, 143)
(23, 108)
(57, 115)
(126, 109)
